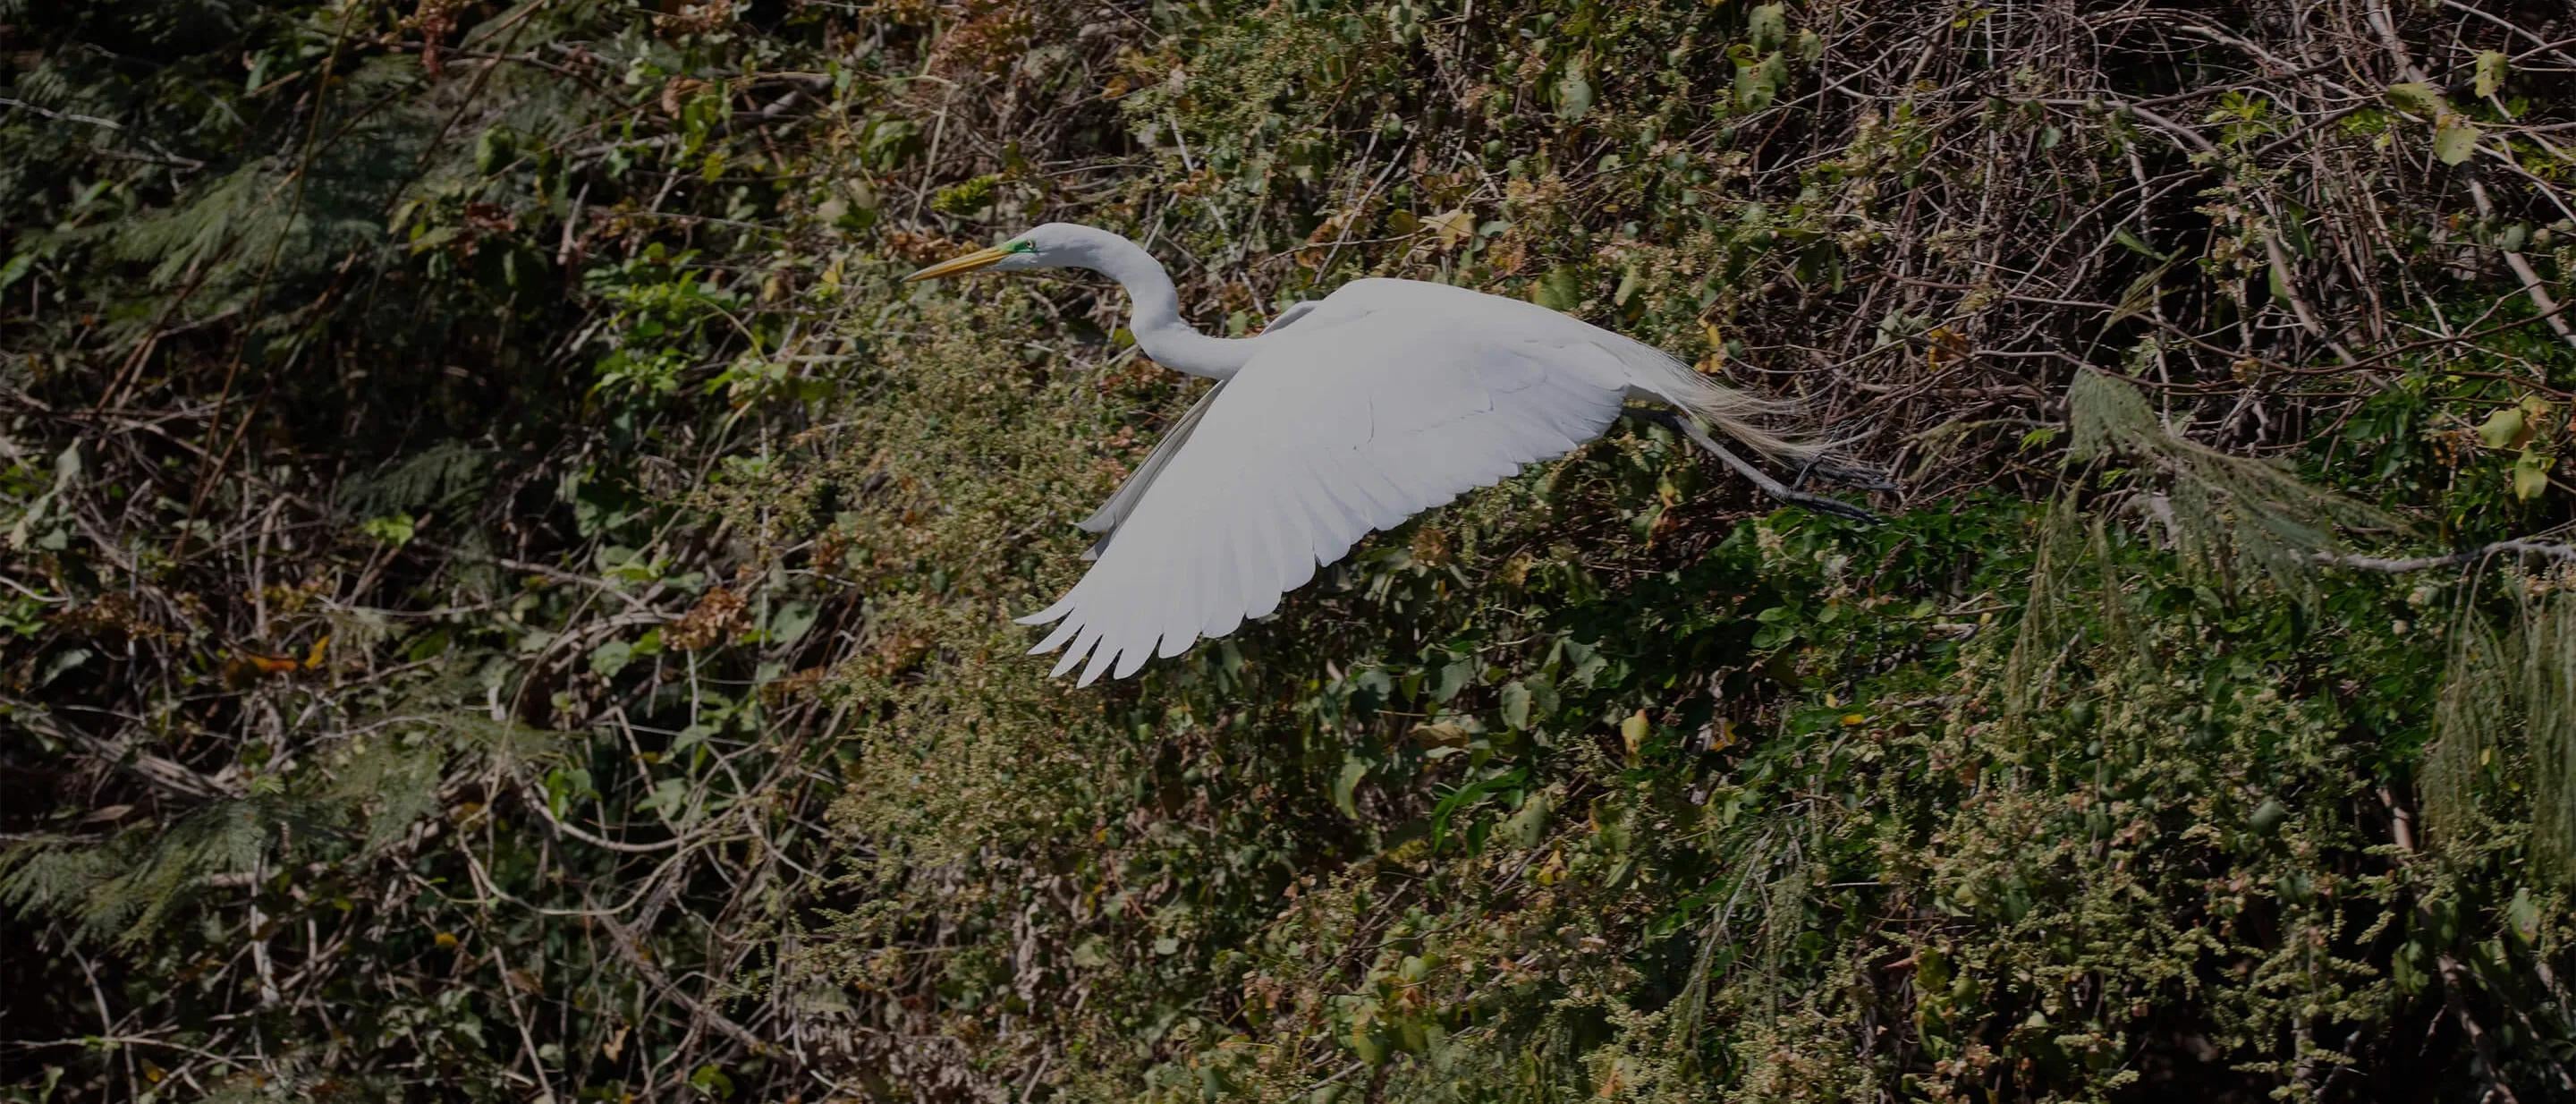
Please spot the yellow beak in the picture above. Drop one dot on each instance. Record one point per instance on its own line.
(981, 258)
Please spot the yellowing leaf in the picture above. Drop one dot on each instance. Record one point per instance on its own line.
(2454, 140)
(2530, 475)
(1632, 732)
(1451, 229)
(445, 940)
(2416, 96)
(2502, 428)
(257, 663)
(2490, 72)
(320, 651)
(1715, 362)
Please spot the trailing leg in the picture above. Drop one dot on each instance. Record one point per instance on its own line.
(1759, 478)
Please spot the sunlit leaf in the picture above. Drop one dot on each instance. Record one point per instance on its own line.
(2530, 475)
(2455, 140)
(1573, 95)
(1768, 25)
(1450, 229)
(2502, 429)
(2417, 97)
(2490, 69)
(1516, 704)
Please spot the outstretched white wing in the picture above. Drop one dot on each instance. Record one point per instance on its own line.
(1123, 501)
(1380, 405)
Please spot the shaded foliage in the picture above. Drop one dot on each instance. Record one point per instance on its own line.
(508, 597)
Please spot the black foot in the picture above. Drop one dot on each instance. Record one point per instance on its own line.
(1844, 475)
(1823, 505)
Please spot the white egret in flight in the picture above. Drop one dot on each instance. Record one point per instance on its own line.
(1347, 414)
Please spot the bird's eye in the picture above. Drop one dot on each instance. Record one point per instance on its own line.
(1019, 247)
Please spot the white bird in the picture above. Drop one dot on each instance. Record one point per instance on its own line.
(1347, 414)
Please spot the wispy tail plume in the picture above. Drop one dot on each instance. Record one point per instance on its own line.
(1779, 429)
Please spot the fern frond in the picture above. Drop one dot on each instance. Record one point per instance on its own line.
(435, 476)
(2505, 696)
(2228, 514)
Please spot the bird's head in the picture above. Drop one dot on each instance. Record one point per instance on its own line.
(1054, 245)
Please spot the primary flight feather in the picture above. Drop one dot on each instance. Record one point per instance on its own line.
(1350, 414)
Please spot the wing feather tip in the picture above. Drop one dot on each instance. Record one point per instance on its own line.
(1101, 659)
(1132, 659)
(1083, 646)
(1056, 639)
(1048, 615)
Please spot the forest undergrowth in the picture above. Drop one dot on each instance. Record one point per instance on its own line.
(507, 596)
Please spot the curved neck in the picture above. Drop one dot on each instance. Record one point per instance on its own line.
(1156, 312)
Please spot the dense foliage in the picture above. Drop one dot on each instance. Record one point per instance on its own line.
(507, 597)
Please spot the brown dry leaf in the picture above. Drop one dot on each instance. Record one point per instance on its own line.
(1431, 546)
(1329, 230)
(676, 94)
(715, 619)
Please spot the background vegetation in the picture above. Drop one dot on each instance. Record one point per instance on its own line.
(507, 598)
